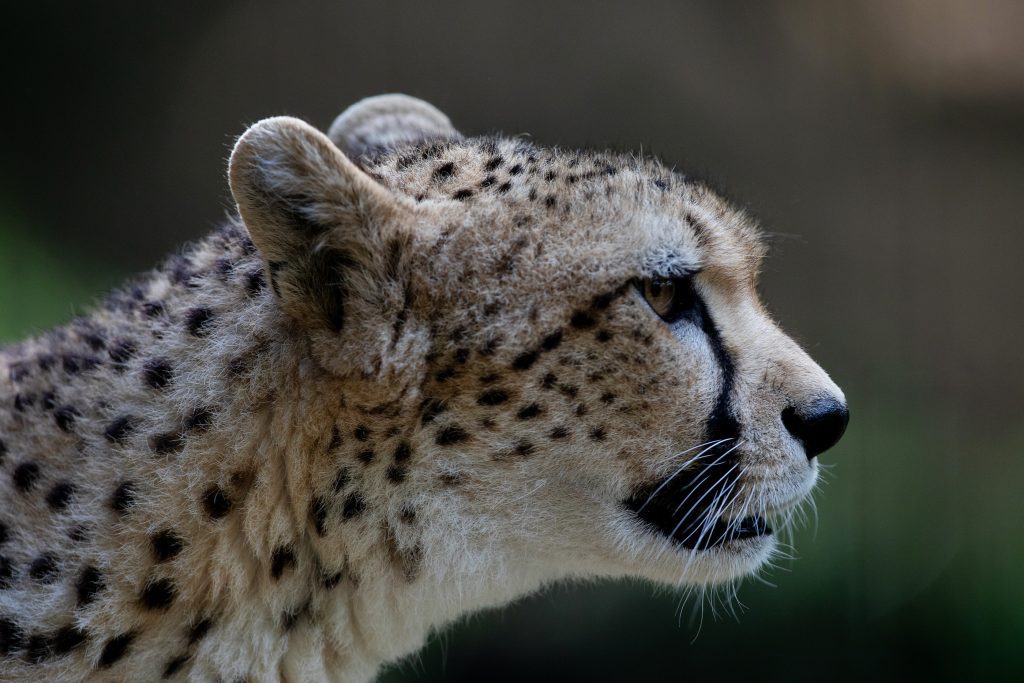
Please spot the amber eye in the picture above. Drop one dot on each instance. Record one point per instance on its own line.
(672, 298)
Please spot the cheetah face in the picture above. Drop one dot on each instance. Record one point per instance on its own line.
(572, 343)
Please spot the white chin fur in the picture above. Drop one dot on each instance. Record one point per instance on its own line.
(736, 559)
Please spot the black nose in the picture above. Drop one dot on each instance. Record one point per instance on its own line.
(819, 425)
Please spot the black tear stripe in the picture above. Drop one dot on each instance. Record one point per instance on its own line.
(722, 423)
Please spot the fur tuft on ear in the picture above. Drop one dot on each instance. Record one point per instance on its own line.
(384, 122)
(320, 223)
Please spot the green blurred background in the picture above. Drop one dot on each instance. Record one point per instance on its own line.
(881, 143)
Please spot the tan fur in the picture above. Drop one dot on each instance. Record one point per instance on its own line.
(304, 413)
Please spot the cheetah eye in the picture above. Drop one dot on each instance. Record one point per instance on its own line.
(672, 298)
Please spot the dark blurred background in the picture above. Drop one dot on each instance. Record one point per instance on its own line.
(881, 144)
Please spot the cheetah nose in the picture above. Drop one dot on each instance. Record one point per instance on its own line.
(819, 425)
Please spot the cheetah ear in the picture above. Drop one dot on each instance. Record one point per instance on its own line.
(384, 122)
(322, 226)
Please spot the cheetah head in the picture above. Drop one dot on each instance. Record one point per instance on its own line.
(567, 346)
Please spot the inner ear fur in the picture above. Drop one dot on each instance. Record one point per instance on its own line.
(327, 232)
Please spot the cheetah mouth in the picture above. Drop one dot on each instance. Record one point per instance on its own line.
(690, 507)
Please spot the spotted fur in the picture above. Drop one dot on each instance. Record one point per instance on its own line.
(413, 378)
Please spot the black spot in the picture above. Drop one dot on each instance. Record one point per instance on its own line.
(461, 356)
(402, 452)
(37, 649)
(282, 558)
(157, 373)
(581, 410)
(529, 412)
(463, 194)
(396, 474)
(18, 372)
(166, 545)
(549, 380)
(550, 201)
(167, 443)
(516, 170)
(603, 301)
(451, 478)
(90, 582)
(361, 433)
(115, 649)
(598, 434)
(255, 282)
(525, 361)
(199, 420)
(121, 352)
(153, 308)
(444, 171)
(354, 505)
(60, 495)
(341, 479)
(329, 581)
(488, 181)
(238, 366)
(172, 667)
(25, 476)
(451, 434)
(123, 498)
(365, 456)
(78, 533)
(275, 268)
(552, 341)
(550, 175)
(492, 397)
(603, 336)
(224, 267)
(559, 432)
(490, 346)
(504, 187)
(6, 572)
(525, 448)
(44, 569)
(318, 513)
(65, 417)
(158, 594)
(493, 163)
(532, 195)
(431, 407)
(290, 617)
(49, 400)
(335, 441)
(198, 321)
(216, 502)
(569, 390)
(4, 533)
(21, 403)
(198, 630)
(582, 320)
(118, 430)
(75, 364)
(12, 638)
(67, 638)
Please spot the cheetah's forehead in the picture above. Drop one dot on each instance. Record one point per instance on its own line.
(644, 215)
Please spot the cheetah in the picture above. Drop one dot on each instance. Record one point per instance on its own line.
(417, 374)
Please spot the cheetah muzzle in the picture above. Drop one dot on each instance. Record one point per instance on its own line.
(418, 374)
